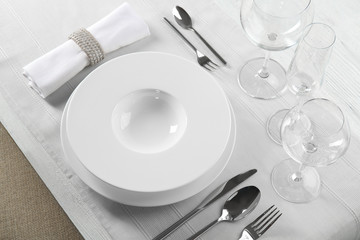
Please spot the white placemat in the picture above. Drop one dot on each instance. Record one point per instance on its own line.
(34, 123)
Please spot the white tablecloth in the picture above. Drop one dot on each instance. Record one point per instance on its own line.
(29, 29)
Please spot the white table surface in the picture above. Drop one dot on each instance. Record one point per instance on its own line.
(29, 29)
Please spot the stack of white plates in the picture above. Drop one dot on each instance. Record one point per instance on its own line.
(148, 129)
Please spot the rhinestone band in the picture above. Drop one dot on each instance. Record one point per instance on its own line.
(88, 44)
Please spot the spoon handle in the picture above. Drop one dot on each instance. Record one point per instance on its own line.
(210, 47)
(204, 229)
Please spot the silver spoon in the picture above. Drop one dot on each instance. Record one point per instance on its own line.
(184, 20)
(236, 207)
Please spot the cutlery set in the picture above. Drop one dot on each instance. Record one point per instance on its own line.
(240, 203)
(184, 20)
(203, 60)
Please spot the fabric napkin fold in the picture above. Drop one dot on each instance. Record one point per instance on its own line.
(118, 29)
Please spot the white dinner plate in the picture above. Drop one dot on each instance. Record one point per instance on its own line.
(146, 199)
(149, 123)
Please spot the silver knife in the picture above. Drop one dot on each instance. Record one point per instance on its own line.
(212, 197)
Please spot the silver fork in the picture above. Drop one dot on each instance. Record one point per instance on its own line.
(260, 225)
(203, 60)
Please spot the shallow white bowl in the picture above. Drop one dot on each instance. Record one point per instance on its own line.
(159, 129)
(149, 121)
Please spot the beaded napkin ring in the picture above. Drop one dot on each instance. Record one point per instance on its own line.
(88, 44)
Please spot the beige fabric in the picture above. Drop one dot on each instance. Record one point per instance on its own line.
(27, 208)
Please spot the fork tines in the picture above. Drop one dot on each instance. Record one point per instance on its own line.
(211, 66)
(261, 224)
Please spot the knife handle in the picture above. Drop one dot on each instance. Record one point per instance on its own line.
(177, 224)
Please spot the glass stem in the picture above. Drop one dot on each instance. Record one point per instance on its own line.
(297, 176)
(263, 72)
(301, 99)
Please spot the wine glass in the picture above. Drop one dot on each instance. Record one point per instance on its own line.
(272, 25)
(306, 71)
(313, 134)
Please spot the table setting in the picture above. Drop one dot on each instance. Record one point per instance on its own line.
(189, 120)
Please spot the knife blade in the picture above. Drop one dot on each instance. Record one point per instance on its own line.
(211, 198)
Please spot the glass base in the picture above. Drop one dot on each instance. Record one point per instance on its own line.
(273, 125)
(295, 187)
(265, 87)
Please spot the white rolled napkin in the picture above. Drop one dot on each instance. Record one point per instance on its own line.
(118, 29)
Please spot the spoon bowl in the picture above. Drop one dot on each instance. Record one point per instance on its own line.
(241, 203)
(182, 18)
(236, 207)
